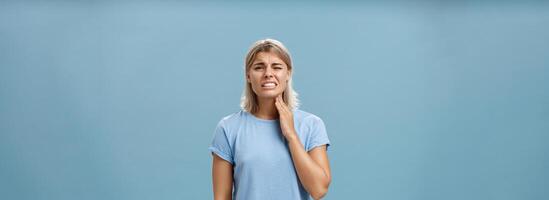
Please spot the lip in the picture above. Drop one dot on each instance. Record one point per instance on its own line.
(271, 87)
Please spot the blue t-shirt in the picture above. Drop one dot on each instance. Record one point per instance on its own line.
(262, 164)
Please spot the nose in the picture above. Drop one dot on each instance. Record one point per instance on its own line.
(268, 73)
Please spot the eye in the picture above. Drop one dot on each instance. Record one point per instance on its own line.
(258, 67)
(277, 67)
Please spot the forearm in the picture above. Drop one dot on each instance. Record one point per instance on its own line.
(222, 175)
(312, 176)
(222, 196)
(222, 188)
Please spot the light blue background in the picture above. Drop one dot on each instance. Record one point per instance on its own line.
(422, 100)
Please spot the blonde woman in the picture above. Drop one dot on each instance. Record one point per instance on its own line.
(270, 149)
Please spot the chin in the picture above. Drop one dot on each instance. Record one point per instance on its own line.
(268, 94)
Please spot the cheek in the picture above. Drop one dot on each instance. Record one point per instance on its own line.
(284, 83)
(285, 79)
(282, 76)
(253, 79)
(255, 84)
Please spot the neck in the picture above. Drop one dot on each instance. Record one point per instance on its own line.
(267, 109)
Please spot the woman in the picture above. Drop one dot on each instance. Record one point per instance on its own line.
(270, 149)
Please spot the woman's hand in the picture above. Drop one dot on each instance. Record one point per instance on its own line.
(286, 118)
(313, 168)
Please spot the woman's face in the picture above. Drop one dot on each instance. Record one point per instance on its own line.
(268, 75)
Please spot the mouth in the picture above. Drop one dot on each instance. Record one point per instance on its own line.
(269, 85)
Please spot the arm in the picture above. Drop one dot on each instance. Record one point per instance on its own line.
(222, 175)
(312, 168)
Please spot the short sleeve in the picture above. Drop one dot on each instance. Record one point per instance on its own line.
(318, 135)
(220, 143)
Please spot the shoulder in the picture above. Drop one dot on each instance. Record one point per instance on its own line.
(230, 120)
(306, 117)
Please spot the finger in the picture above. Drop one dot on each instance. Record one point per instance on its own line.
(278, 102)
(279, 98)
(278, 106)
(283, 108)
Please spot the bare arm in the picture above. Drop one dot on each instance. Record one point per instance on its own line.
(222, 175)
(313, 168)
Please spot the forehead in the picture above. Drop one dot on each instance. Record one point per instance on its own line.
(267, 56)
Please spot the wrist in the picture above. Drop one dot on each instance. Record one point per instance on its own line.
(291, 137)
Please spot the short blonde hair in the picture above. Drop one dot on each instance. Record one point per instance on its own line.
(249, 101)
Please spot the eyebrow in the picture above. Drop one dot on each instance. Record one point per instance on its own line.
(263, 63)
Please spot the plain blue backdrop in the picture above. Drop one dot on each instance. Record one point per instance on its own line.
(422, 100)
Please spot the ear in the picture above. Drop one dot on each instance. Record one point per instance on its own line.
(247, 77)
